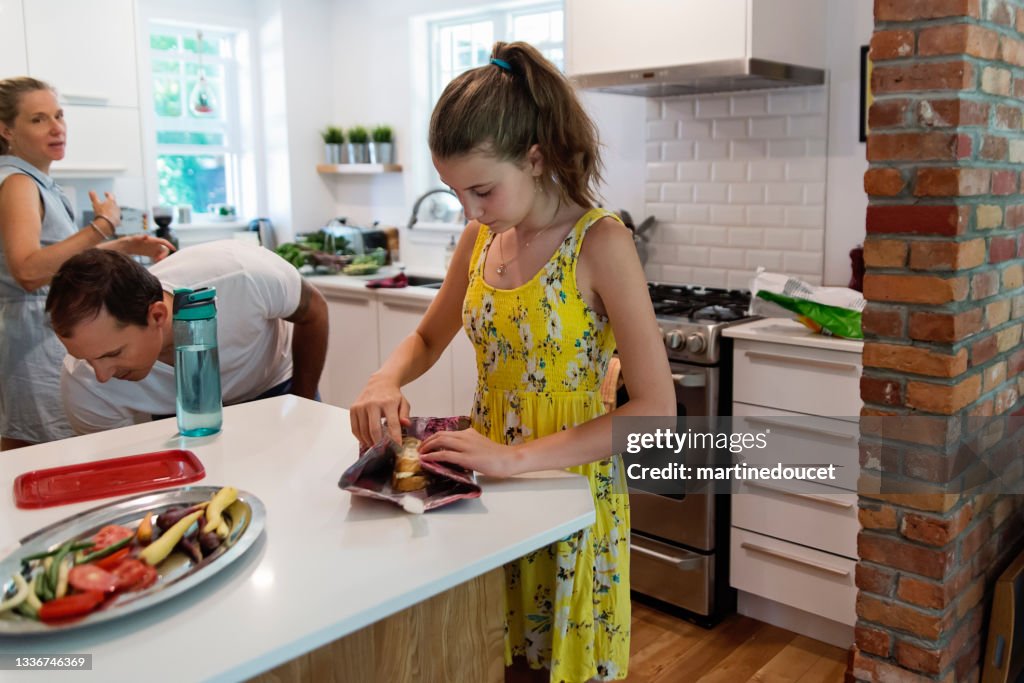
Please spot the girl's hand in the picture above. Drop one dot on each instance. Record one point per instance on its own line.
(474, 451)
(141, 245)
(108, 208)
(380, 398)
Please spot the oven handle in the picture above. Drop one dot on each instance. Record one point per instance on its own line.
(681, 563)
(795, 558)
(688, 380)
(824, 500)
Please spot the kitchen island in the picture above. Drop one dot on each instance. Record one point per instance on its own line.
(338, 588)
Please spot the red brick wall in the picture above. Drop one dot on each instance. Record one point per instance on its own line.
(945, 288)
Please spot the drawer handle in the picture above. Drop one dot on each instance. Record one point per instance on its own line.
(684, 563)
(799, 428)
(74, 97)
(817, 362)
(795, 558)
(824, 500)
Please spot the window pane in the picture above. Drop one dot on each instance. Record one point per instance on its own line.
(162, 42)
(167, 97)
(181, 137)
(166, 66)
(210, 46)
(533, 28)
(211, 70)
(196, 180)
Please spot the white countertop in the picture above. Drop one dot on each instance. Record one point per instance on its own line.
(357, 284)
(786, 331)
(329, 563)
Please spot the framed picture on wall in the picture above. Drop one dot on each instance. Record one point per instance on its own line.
(865, 91)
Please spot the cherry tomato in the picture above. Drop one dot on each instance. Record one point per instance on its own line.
(109, 535)
(110, 562)
(135, 575)
(75, 605)
(89, 577)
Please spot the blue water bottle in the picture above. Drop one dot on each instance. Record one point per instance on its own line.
(196, 362)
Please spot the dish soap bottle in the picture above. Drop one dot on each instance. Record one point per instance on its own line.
(449, 251)
(197, 362)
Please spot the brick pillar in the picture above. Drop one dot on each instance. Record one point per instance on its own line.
(944, 248)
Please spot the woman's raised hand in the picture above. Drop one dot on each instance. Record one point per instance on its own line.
(107, 208)
(142, 245)
(381, 401)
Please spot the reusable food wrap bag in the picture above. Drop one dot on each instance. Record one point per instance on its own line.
(370, 475)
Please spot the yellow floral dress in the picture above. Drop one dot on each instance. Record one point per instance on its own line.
(542, 353)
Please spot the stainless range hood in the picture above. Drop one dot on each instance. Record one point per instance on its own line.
(707, 77)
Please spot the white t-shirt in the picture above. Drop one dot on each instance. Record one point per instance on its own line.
(255, 289)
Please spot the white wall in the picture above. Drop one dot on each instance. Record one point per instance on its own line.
(849, 26)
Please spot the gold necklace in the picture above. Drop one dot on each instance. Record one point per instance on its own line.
(503, 264)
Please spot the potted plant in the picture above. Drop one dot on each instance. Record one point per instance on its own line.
(357, 139)
(381, 149)
(333, 138)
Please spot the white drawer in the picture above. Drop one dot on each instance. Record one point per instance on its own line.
(811, 580)
(797, 378)
(807, 513)
(799, 439)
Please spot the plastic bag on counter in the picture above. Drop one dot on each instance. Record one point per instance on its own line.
(371, 475)
(833, 311)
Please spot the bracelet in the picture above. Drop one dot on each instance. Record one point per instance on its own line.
(113, 228)
(102, 234)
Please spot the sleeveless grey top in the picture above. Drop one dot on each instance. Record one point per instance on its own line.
(58, 222)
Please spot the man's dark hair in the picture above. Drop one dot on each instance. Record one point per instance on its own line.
(97, 279)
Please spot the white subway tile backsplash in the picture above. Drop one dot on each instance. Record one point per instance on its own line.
(677, 150)
(784, 193)
(661, 171)
(711, 236)
(749, 105)
(744, 193)
(748, 149)
(802, 263)
(737, 182)
(762, 170)
(711, 193)
(710, 150)
(746, 237)
(662, 130)
(805, 216)
(784, 238)
(677, 192)
(726, 258)
(694, 170)
(768, 127)
(727, 214)
(690, 129)
(711, 107)
(729, 129)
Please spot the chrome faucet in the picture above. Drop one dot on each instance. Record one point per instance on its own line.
(416, 206)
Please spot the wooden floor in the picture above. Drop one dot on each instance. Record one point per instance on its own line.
(665, 648)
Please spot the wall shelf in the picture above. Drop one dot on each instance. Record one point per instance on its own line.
(358, 169)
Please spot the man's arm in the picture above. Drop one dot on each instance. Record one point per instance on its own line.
(309, 341)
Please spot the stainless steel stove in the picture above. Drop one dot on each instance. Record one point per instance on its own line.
(679, 541)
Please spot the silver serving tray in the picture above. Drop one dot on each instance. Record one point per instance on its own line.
(177, 573)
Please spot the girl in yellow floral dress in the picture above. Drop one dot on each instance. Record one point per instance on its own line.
(546, 287)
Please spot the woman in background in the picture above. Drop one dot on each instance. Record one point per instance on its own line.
(37, 234)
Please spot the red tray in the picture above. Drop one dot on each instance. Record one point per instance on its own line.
(106, 478)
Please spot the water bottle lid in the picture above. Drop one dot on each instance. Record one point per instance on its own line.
(199, 304)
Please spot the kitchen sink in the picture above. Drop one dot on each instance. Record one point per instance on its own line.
(425, 281)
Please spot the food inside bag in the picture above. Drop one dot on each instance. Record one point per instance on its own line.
(834, 311)
(394, 472)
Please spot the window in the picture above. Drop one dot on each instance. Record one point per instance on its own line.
(198, 145)
(462, 43)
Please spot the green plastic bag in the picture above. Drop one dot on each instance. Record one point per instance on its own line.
(839, 322)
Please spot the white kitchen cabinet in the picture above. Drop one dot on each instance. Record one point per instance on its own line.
(86, 50)
(352, 345)
(794, 543)
(430, 395)
(621, 35)
(13, 61)
(102, 142)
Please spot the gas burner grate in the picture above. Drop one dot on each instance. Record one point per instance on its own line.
(699, 303)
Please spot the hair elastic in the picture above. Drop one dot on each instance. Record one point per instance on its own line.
(501, 64)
